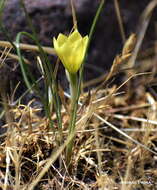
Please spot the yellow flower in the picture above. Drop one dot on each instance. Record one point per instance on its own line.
(71, 50)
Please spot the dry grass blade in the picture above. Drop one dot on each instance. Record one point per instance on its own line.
(148, 121)
(117, 9)
(13, 56)
(48, 163)
(119, 60)
(124, 134)
(4, 55)
(144, 22)
(28, 47)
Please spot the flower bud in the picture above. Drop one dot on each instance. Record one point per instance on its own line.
(71, 50)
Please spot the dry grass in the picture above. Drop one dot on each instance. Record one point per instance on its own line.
(102, 157)
(116, 139)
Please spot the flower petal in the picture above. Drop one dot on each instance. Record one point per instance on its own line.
(71, 50)
(74, 36)
(57, 49)
(85, 43)
(61, 39)
(55, 44)
(66, 55)
(78, 55)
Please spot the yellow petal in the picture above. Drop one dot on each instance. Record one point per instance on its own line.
(57, 49)
(78, 53)
(71, 50)
(55, 44)
(74, 36)
(66, 55)
(73, 56)
(61, 39)
(85, 43)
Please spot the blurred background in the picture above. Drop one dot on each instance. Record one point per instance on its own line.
(50, 17)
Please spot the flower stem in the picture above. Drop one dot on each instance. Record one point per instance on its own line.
(73, 88)
(73, 80)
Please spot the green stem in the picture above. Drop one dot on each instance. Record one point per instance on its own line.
(73, 81)
(73, 88)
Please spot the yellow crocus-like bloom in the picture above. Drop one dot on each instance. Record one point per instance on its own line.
(71, 50)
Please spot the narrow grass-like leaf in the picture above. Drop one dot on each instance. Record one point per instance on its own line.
(49, 77)
(26, 73)
(21, 59)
